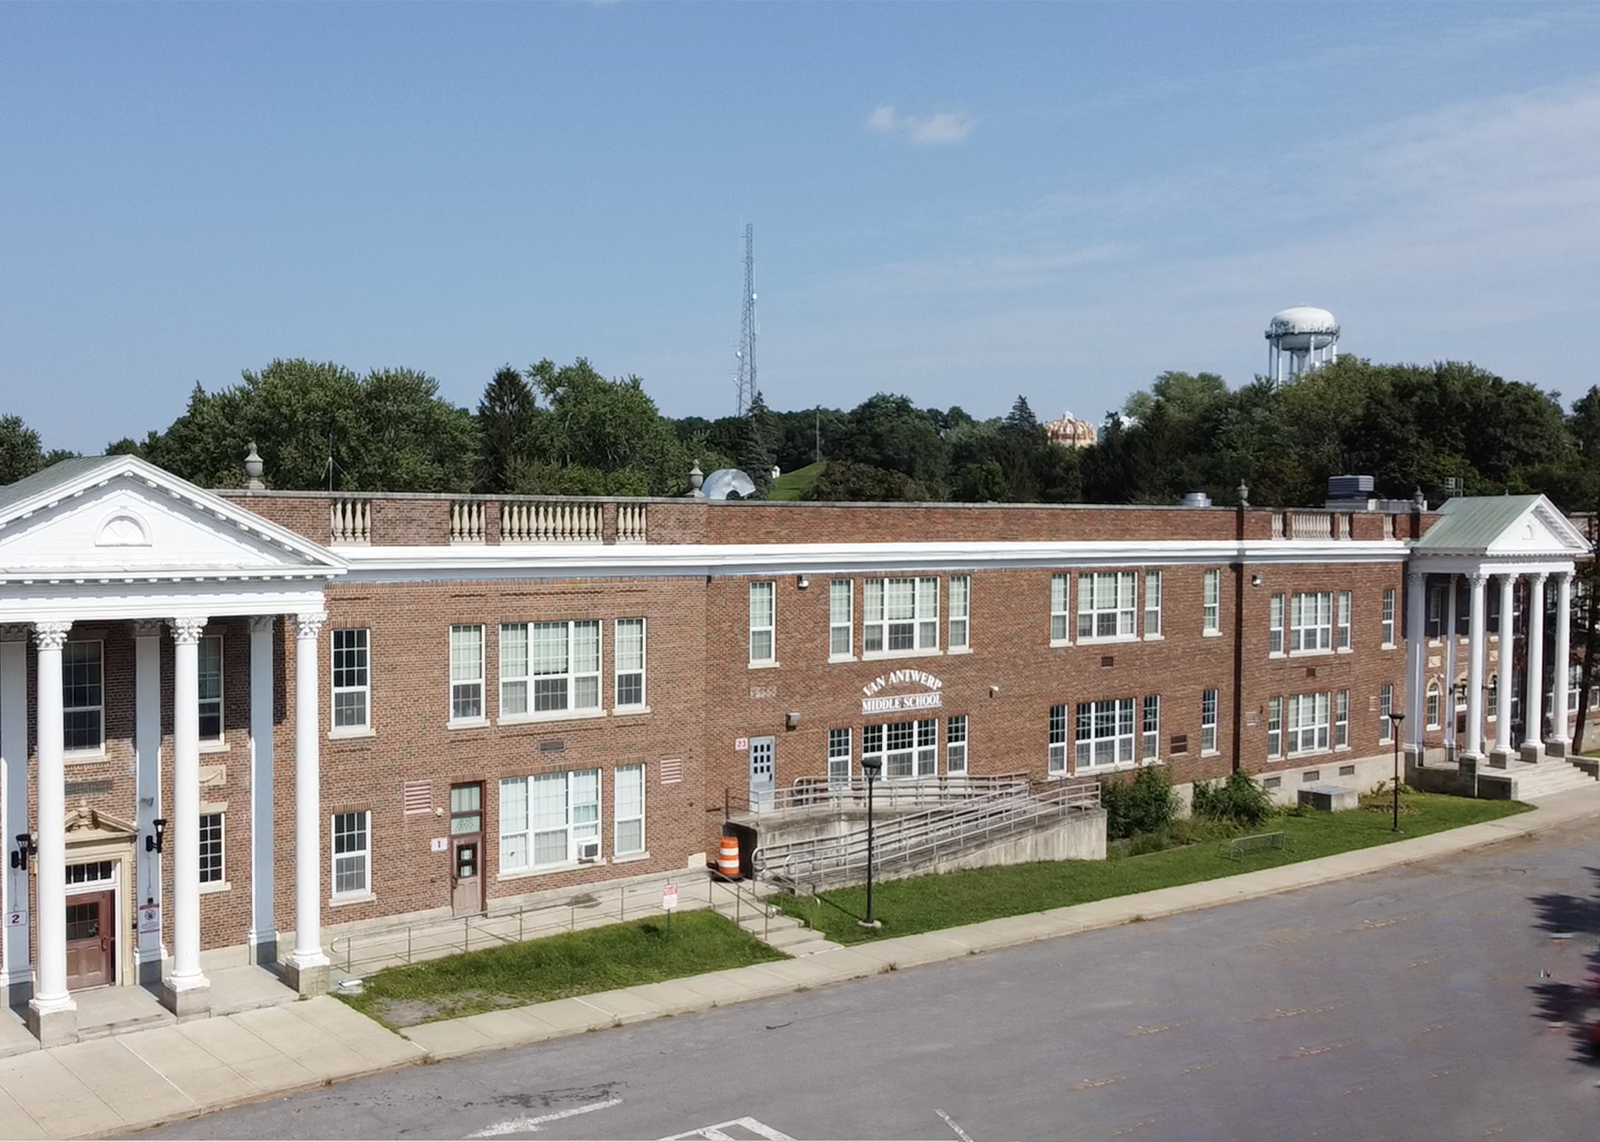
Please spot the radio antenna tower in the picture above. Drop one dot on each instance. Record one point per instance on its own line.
(745, 372)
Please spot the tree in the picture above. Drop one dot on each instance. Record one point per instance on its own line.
(20, 453)
(505, 425)
(890, 432)
(755, 449)
(601, 437)
(844, 481)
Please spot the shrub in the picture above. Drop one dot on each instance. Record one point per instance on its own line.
(1239, 799)
(1147, 804)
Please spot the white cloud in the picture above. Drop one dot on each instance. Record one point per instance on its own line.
(938, 129)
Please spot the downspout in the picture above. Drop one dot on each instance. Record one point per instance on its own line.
(1238, 626)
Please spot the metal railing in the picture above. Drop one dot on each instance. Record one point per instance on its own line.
(746, 904)
(921, 838)
(814, 793)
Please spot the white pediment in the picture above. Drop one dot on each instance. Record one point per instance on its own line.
(1541, 530)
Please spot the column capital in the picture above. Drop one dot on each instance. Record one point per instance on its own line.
(1537, 578)
(51, 635)
(1477, 579)
(309, 623)
(262, 622)
(1416, 575)
(15, 632)
(188, 628)
(146, 628)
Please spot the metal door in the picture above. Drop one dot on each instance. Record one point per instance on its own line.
(91, 940)
(762, 777)
(466, 849)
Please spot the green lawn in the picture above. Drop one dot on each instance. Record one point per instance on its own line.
(577, 963)
(927, 903)
(793, 485)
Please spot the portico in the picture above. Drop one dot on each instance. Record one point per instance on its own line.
(1514, 546)
(114, 547)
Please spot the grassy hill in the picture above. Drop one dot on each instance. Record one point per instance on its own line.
(793, 485)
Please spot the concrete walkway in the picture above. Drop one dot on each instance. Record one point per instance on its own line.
(118, 1085)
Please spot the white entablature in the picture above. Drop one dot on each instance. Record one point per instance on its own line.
(1512, 535)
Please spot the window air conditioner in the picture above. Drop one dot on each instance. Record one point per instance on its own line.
(589, 851)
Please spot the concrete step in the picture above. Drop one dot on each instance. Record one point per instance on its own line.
(124, 1026)
(812, 947)
(1550, 778)
(788, 938)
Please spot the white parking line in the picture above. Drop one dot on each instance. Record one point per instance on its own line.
(951, 1123)
(529, 1125)
(718, 1133)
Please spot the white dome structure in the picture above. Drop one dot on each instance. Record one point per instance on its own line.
(1299, 339)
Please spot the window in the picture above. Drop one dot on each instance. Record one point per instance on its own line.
(1493, 698)
(1152, 604)
(211, 848)
(211, 688)
(1058, 739)
(841, 599)
(839, 756)
(560, 660)
(1574, 688)
(905, 749)
(1344, 620)
(351, 851)
(1274, 727)
(1341, 718)
(1435, 611)
(1433, 705)
(1213, 602)
(1308, 723)
(543, 818)
(1208, 721)
(900, 614)
(351, 680)
(955, 744)
(1152, 726)
(629, 648)
(466, 673)
(1060, 631)
(628, 781)
(1388, 616)
(82, 695)
(960, 594)
(1311, 621)
(1106, 604)
(1385, 708)
(1105, 732)
(761, 623)
(466, 809)
(1275, 625)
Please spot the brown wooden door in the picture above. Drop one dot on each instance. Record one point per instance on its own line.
(466, 848)
(91, 940)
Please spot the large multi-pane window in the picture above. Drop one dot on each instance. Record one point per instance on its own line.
(1435, 611)
(83, 695)
(1208, 721)
(1104, 732)
(1343, 639)
(1106, 604)
(761, 624)
(955, 744)
(905, 749)
(1275, 624)
(1388, 616)
(1274, 727)
(1058, 739)
(210, 688)
(1311, 621)
(900, 614)
(1308, 723)
(466, 673)
(352, 854)
(1341, 718)
(841, 600)
(630, 663)
(1574, 690)
(628, 781)
(839, 756)
(550, 667)
(1151, 727)
(1152, 604)
(352, 680)
(1211, 603)
(211, 867)
(1385, 708)
(543, 818)
(1060, 617)
(960, 603)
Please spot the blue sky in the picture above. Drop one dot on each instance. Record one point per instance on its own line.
(961, 203)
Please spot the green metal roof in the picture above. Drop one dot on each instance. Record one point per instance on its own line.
(1473, 523)
(43, 480)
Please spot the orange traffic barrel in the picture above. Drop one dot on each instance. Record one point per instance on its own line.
(728, 857)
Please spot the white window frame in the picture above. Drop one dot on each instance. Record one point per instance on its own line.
(1310, 727)
(98, 685)
(205, 677)
(1060, 609)
(955, 745)
(1103, 734)
(1434, 705)
(960, 613)
(1492, 698)
(840, 755)
(1385, 708)
(1150, 727)
(1277, 629)
(578, 688)
(885, 618)
(1436, 613)
(1574, 692)
(352, 858)
(220, 879)
(1095, 609)
(1211, 602)
(1208, 721)
(1274, 727)
(339, 661)
(1313, 635)
(1341, 719)
(1342, 611)
(519, 804)
(628, 806)
(628, 664)
(764, 623)
(1057, 754)
(887, 741)
(1388, 616)
(841, 620)
(463, 683)
(1152, 604)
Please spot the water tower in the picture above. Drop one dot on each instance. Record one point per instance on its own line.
(1300, 339)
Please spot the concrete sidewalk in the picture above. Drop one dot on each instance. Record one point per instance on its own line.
(114, 1086)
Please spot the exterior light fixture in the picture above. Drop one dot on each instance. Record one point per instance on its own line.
(803, 582)
(871, 767)
(154, 842)
(1395, 719)
(26, 847)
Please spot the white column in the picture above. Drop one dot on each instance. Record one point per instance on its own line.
(15, 951)
(147, 766)
(1475, 656)
(1558, 741)
(50, 996)
(185, 986)
(1502, 703)
(263, 925)
(1533, 702)
(1416, 657)
(1452, 646)
(308, 966)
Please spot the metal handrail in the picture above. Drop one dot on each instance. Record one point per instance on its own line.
(815, 792)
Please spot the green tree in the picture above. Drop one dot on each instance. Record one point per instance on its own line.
(600, 437)
(20, 451)
(506, 429)
(755, 448)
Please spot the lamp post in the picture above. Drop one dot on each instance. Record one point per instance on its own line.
(1394, 731)
(870, 768)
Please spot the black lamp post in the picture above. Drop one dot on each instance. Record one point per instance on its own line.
(26, 847)
(870, 768)
(1394, 731)
(156, 842)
